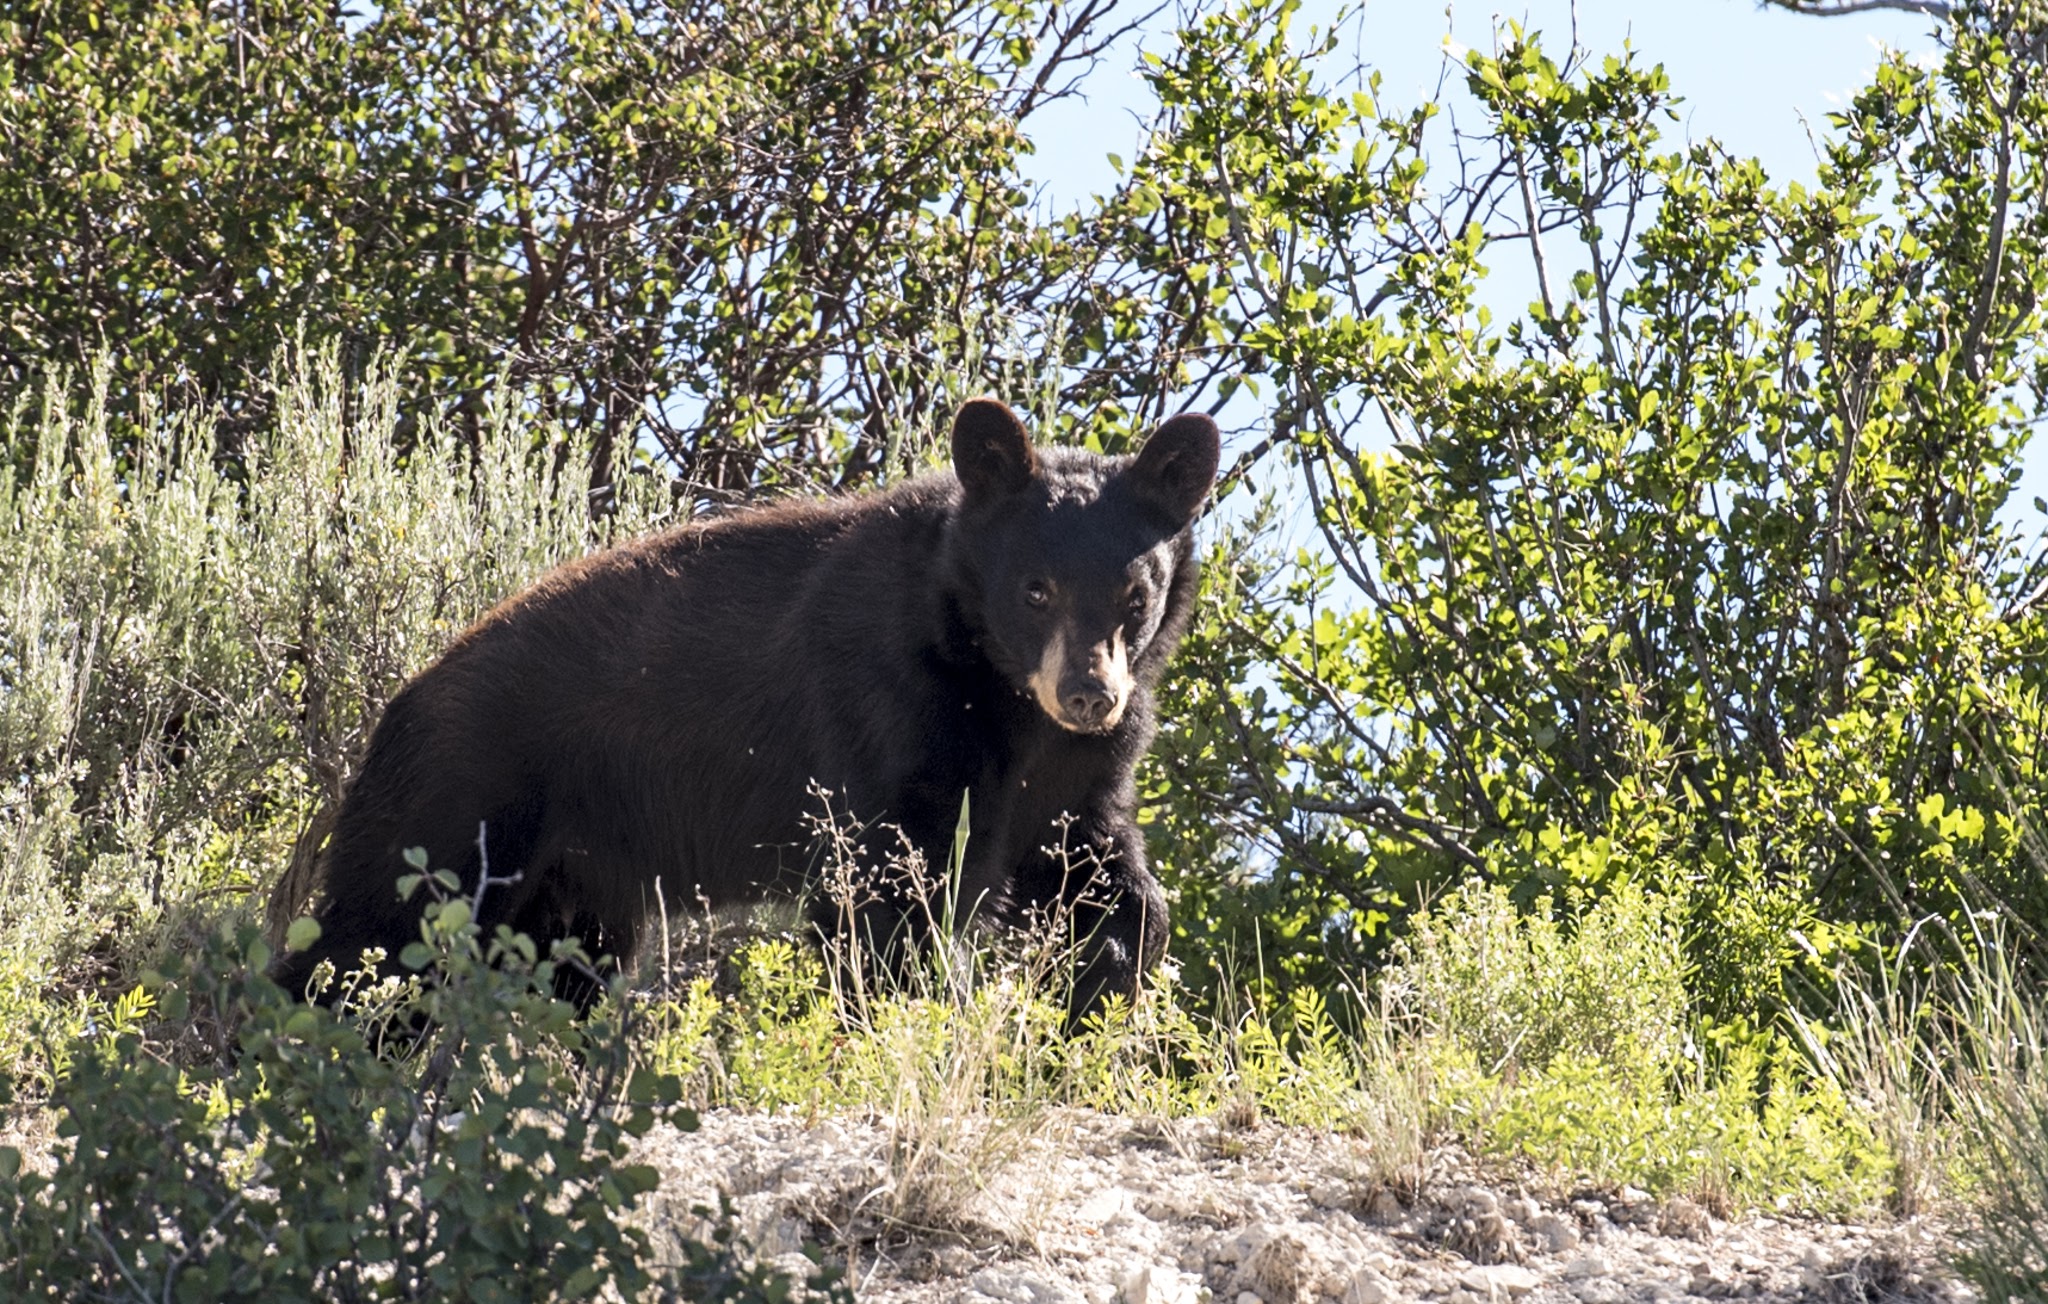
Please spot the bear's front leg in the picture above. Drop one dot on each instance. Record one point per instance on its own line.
(1093, 881)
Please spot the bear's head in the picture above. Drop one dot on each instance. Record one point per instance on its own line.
(1078, 568)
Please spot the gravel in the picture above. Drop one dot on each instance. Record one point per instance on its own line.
(1095, 1209)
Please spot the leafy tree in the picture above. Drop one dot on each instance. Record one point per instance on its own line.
(738, 235)
(1690, 572)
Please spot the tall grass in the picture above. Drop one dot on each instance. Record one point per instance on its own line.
(1994, 1040)
(1951, 1068)
(193, 645)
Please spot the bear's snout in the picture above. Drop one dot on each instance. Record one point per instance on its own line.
(1086, 693)
(1090, 703)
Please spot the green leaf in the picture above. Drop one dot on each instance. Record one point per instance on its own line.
(304, 931)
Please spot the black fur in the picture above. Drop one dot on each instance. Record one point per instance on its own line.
(662, 710)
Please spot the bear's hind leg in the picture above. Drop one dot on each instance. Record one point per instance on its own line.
(556, 911)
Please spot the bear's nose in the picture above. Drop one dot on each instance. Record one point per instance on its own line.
(1089, 702)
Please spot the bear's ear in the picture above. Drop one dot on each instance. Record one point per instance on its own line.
(1177, 466)
(991, 452)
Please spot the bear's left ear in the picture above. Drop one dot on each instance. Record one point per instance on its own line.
(1177, 466)
(991, 452)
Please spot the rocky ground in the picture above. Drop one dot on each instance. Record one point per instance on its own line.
(1087, 1209)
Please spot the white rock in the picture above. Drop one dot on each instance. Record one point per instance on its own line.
(1425, 1279)
(1246, 1297)
(1104, 1205)
(1153, 1284)
(1232, 1249)
(1014, 1286)
(1499, 1281)
(1368, 1286)
(1557, 1232)
(1587, 1266)
(1178, 1223)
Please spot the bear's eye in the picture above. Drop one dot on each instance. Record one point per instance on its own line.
(1138, 602)
(1037, 594)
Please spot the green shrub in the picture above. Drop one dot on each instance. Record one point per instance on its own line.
(1568, 1041)
(1759, 1129)
(1509, 987)
(461, 1137)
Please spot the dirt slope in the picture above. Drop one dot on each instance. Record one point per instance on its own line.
(1087, 1209)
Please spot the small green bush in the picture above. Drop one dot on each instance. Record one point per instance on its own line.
(1516, 988)
(456, 1136)
(1759, 1130)
(1568, 1042)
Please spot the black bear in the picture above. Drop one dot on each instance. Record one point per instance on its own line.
(670, 709)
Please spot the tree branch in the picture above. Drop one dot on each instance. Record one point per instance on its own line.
(1994, 255)
(1836, 8)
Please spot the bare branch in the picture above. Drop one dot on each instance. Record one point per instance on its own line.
(1551, 326)
(1836, 8)
(1994, 255)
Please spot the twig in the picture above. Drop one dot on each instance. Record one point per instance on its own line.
(1836, 8)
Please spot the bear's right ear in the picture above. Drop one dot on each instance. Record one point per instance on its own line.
(1177, 466)
(991, 452)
